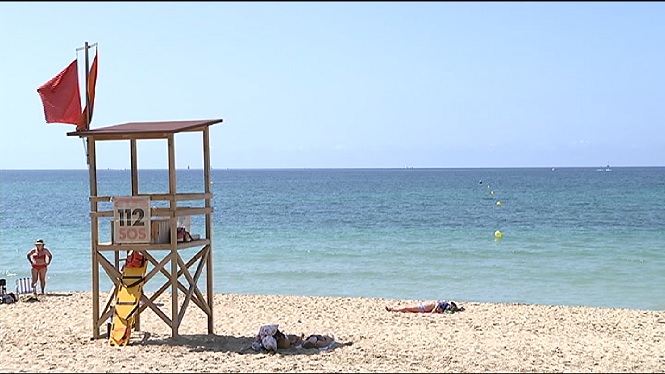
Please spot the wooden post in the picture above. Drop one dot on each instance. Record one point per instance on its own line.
(174, 236)
(208, 226)
(94, 230)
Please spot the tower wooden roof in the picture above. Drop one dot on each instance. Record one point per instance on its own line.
(144, 130)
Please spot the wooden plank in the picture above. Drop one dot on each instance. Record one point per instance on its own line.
(160, 196)
(144, 247)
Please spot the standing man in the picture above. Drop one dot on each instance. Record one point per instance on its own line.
(39, 258)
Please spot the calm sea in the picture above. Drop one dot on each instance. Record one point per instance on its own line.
(571, 236)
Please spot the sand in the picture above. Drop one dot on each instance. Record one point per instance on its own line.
(54, 334)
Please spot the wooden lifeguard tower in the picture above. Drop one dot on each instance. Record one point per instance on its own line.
(167, 218)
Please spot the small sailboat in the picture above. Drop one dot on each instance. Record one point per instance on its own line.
(607, 168)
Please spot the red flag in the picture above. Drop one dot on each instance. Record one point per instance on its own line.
(84, 121)
(61, 98)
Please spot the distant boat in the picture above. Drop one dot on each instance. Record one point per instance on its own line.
(607, 168)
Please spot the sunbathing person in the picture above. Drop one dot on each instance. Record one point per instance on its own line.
(317, 341)
(299, 341)
(288, 340)
(428, 307)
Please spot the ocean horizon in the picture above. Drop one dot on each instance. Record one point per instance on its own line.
(570, 235)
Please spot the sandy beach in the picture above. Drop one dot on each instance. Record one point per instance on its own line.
(54, 335)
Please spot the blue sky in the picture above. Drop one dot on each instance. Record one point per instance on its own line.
(346, 84)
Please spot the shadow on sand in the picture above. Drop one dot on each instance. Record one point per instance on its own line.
(223, 343)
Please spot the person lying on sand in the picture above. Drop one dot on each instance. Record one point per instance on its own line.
(312, 341)
(428, 307)
(288, 340)
(318, 341)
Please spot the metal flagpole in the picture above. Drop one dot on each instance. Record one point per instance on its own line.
(86, 60)
(87, 94)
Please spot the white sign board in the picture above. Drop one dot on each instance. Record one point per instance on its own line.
(131, 219)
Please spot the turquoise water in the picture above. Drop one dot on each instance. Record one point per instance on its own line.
(571, 236)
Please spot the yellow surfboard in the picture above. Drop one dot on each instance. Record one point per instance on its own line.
(127, 304)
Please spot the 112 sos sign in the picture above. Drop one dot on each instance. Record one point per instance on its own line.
(131, 217)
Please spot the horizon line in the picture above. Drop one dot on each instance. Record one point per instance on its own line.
(356, 168)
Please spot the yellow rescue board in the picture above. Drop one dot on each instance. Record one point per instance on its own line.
(127, 304)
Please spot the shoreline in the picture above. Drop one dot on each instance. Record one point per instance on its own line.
(54, 334)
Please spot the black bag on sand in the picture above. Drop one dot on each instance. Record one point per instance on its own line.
(8, 298)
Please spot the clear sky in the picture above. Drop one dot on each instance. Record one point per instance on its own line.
(346, 84)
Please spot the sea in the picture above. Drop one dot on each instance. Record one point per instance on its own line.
(577, 236)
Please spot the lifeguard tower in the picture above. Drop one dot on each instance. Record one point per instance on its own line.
(151, 231)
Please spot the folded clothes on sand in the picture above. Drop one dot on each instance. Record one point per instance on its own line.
(8, 298)
(265, 339)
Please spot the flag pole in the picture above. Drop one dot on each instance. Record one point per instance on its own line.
(87, 94)
(86, 60)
